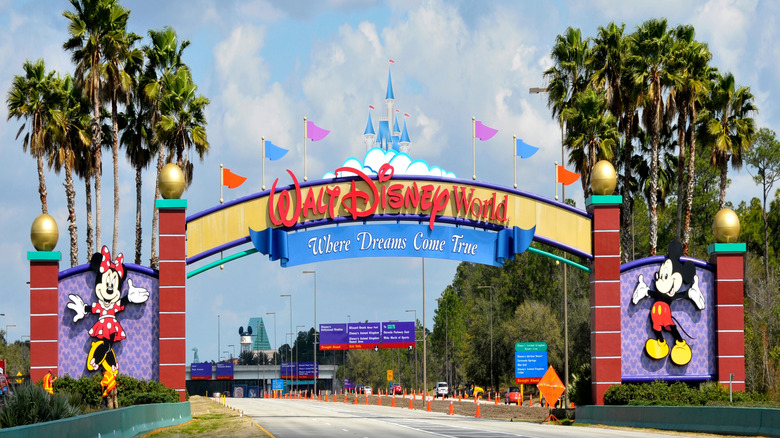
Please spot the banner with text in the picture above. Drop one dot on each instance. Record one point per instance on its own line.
(367, 335)
(200, 371)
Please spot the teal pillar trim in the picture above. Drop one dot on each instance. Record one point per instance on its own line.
(170, 203)
(44, 256)
(604, 200)
(726, 248)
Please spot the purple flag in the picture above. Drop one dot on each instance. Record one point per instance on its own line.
(483, 132)
(314, 132)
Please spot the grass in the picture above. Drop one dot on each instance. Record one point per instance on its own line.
(211, 419)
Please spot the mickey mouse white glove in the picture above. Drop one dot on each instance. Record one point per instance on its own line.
(641, 290)
(695, 294)
(77, 305)
(136, 294)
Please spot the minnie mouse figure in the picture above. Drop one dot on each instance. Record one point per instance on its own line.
(110, 276)
(669, 286)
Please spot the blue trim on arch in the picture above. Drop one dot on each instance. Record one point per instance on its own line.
(660, 259)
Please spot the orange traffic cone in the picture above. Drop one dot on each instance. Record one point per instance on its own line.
(530, 400)
(345, 398)
(379, 401)
(392, 405)
(366, 398)
(428, 408)
(478, 414)
(459, 396)
(355, 402)
(496, 400)
(411, 403)
(451, 412)
(572, 405)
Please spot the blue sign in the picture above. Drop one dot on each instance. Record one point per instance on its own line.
(200, 371)
(333, 337)
(348, 384)
(392, 240)
(364, 335)
(398, 334)
(301, 370)
(277, 384)
(530, 366)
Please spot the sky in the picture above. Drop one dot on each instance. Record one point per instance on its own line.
(265, 65)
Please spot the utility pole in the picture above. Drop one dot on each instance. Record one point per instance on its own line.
(416, 372)
(492, 383)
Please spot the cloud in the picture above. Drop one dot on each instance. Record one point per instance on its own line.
(401, 162)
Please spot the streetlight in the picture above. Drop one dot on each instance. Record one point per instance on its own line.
(491, 333)
(290, 360)
(218, 346)
(415, 347)
(297, 364)
(446, 340)
(233, 351)
(315, 326)
(291, 323)
(536, 90)
(275, 350)
(6, 331)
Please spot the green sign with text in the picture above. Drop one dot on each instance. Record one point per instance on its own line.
(530, 346)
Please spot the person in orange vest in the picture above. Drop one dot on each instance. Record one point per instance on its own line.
(108, 383)
(48, 382)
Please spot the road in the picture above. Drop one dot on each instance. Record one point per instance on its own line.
(307, 418)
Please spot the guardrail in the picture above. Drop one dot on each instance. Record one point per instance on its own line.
(129, 421)
(706, 419)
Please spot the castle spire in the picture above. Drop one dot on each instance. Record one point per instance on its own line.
(405, 143)
(369, 134)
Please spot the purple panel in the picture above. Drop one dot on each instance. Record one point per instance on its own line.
(200, 371)
(138, 355)
(224, 370)
(636, 329)
(333, 337)
(364, 334)
(397, 334)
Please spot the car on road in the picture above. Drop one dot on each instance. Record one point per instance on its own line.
(397, 389)
(442, 389)
(367, 390)
(513, 395)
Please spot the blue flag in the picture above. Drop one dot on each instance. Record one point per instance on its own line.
(525, 150)
(274, 152)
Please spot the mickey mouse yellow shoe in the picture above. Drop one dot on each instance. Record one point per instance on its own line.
(681, 353)
(657, 349)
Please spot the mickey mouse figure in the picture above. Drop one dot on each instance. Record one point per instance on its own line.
(669, 286)
(110, 276)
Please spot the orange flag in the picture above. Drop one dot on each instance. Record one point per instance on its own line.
(566, 177)
(230, 179)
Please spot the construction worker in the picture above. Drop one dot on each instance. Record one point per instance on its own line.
(48, 382)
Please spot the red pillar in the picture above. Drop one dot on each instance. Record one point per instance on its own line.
(729, 261)
(172, 273)
(605, 353)
(44, 281)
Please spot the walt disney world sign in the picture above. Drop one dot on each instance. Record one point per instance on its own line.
(357, 215)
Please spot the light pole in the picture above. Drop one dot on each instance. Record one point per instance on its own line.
(565, 283)
(218, 346)
(315, 326)
(233, 350)
(290, 370)
(275, 349)
(291, 322)
(415, 347)
(6, 331)
(297, 365)
(491, 333)
(425, 348)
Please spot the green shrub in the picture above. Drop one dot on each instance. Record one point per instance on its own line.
(677, 394)
(87, 392)
(31, 404)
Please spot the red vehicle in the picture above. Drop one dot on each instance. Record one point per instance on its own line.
(513, 395)
(397, 389)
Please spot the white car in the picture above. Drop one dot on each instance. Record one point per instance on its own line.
(442, 389)
(368, 391)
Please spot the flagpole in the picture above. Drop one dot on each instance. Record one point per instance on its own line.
(514, 156)
(556, 180)
(221, 182)
(262, 186)
(473, 148)
(305, 133)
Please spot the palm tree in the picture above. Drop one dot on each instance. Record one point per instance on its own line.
(652, 43)
(613, 71)
(182, 126)
(70, 121)
(698, 76)
(31, 98)
(592, 133)
(729, 128)
(88, 26)
(164, 59)
(118, 53)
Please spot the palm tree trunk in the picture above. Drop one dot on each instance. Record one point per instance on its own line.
(628, 203)
(138, 230)
(681, 118)
(88, 197)
(97, 139)
(724, 177)
(689, 188)
(654, 172)
(70, 194)
(154, 261)
(115, 158)
(98, 185)
(42, 184)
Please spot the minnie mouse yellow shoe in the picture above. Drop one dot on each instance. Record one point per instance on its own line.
(681, 353)
(657, 349)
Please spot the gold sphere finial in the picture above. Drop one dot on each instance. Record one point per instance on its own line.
(603, 178)
(171, 181)
(44, 233)
(725, 226)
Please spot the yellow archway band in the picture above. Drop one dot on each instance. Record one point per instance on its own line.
(556, 223)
